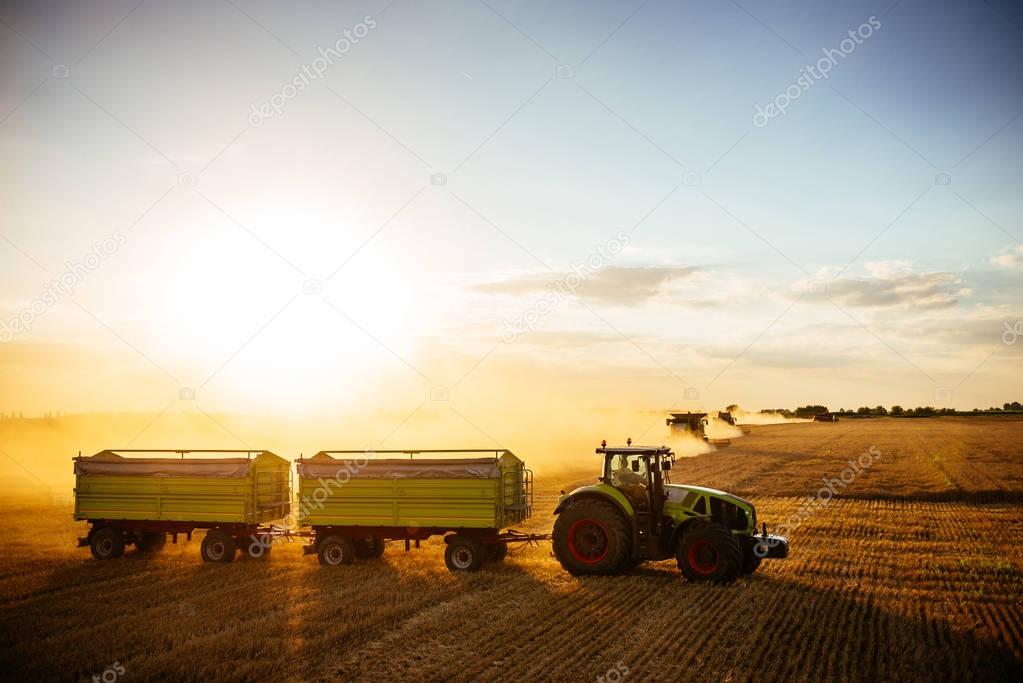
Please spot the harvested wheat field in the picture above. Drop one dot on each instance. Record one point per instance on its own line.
(911, 571)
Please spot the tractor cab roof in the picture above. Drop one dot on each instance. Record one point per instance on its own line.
(633, 450)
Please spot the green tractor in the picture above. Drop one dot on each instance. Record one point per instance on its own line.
(634, 514)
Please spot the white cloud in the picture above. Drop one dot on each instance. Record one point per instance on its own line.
(1010, 259)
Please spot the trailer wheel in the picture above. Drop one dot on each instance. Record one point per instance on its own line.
(151, 541)
(335, 550)
(106, 543)
(218, 546)
(709, 552)
(497, 551)
(369, 548)
(463, 554)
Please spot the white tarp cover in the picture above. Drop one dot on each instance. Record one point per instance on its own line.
(400, 468)
(116, 465)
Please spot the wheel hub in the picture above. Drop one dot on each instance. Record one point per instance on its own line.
(587, 541)
(703, 557)
(462, 558)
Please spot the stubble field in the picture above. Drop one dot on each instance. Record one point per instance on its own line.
(912, 570)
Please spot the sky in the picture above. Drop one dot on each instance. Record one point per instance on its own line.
(509, 209)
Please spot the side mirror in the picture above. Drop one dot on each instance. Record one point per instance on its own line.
(635, 465)
(666, 465)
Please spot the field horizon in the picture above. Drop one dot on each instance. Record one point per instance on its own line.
(911, 567)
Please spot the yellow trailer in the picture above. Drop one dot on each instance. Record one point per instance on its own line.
(140, 496)
(354, 501)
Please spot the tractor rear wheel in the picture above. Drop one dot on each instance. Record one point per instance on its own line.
(106, 543)
(592, 537)
(709, 552)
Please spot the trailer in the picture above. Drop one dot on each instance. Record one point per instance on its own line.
(139, 497)
(354, 502)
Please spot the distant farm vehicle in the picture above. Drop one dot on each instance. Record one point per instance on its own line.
(354, 503)
(139, 501)
(695, 424)
(634, 514)
(825, 417)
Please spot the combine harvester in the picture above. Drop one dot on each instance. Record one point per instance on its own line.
(695, 424)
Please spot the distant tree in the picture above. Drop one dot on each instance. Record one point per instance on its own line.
(896, 410)
(1015, 405)
(880, 410)
(810, 410)
(863, 410)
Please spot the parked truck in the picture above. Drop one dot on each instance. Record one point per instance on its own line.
(354, 503)
(139, 497)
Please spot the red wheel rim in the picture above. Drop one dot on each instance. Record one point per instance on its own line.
(702, 557)
(587, 541)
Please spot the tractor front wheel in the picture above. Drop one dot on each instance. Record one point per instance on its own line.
(592, 537)
(709, 552)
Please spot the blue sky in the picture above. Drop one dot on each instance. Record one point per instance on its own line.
(863, 247)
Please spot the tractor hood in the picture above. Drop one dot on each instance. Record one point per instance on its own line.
(676, 492)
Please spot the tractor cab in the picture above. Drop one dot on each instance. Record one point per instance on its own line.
(639, 472)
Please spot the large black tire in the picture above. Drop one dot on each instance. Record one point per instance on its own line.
(369, 548)
(463, 554)
(333, 551)
(218, 546)
(150, 541)
(106, 543)
(497, 551)
(750, 560)
(709, 552)
(592, 537)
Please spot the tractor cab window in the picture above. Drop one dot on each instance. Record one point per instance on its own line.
(628, 470)
(629, 475)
